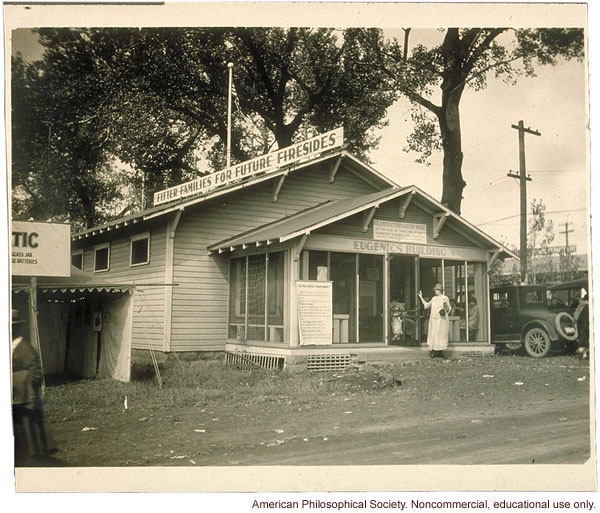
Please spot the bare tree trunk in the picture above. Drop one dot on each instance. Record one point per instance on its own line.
(452, 180)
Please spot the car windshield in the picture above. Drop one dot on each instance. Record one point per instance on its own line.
(564, 295)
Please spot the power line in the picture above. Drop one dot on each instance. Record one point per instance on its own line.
(545, 171)
(546, 212)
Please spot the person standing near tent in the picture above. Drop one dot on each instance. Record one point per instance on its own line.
(28, 418)
(439, 326)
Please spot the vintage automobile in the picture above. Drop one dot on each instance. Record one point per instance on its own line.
(565, 295)
(525, 316)
(574, 296)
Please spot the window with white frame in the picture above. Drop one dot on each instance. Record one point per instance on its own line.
(102, 257)
(256, 297)
(140, 249)
(77, 259)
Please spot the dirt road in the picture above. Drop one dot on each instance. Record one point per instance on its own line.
(478, 411)
(513, 437)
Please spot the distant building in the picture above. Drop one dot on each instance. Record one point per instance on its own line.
(547, 269)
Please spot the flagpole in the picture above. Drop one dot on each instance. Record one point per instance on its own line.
(230, 66)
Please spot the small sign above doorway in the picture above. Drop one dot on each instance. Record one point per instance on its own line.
(400, 232)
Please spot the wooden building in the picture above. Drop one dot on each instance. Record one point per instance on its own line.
(318, 258)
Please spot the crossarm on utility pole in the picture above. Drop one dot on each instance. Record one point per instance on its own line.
(523, 179)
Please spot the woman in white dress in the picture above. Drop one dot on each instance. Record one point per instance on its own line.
(439, 326)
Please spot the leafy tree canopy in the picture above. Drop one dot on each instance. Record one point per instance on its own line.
(155, 101)
(434, 79)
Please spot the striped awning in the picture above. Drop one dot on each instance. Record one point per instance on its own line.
(78, 282)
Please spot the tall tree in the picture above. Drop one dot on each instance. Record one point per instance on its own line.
(155, 99)
(301, 78)
(464, 59)
(60, 156)
(540, 266)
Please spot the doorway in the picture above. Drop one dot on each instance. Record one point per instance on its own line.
(404, 326)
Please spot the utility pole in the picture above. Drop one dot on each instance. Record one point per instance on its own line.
(523, 179)
(566, 232)
(230, 67)
(567, 247)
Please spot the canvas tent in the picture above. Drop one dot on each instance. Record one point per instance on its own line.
(84, 324)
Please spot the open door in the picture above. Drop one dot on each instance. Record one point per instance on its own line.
(404, 327)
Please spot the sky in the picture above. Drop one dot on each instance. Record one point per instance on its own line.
(553, 103)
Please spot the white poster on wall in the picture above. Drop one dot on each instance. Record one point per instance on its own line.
(315, 311)
(400, 232)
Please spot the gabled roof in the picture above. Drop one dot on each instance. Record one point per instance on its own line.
(350, 162)
(305, 222)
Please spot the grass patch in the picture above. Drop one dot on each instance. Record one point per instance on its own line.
(206, 383)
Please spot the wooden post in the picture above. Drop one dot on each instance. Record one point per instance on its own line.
(293, 305)
(172, 223)
(34, 334)
(386, 298)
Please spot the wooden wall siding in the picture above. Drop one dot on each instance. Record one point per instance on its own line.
(148, 307)
(199, 311)
(352, 226)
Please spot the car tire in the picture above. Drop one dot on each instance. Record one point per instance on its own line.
(537, 342)
(560, 320)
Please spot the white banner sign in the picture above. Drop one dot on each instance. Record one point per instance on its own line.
(40, 249)
(315, 312)
(331, 243)
(265, 163)
(399, 232)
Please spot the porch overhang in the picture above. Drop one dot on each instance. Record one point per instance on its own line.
(306, 222)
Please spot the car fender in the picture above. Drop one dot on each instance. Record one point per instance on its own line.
(540, 323)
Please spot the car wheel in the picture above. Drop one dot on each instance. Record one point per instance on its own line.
(537, 343)
(566, 326)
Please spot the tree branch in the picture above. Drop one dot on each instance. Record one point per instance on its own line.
(297, 121)
(405, 51)
(186, 146)
(468, 39)
(426, 103)
(285, 74)
(266, 116)
(247, 39)
(479, 50)
(484, 71)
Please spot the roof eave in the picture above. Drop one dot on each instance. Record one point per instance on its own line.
(366, 172)
(305, 230)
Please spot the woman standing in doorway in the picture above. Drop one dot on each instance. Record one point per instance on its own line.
(437, 334)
